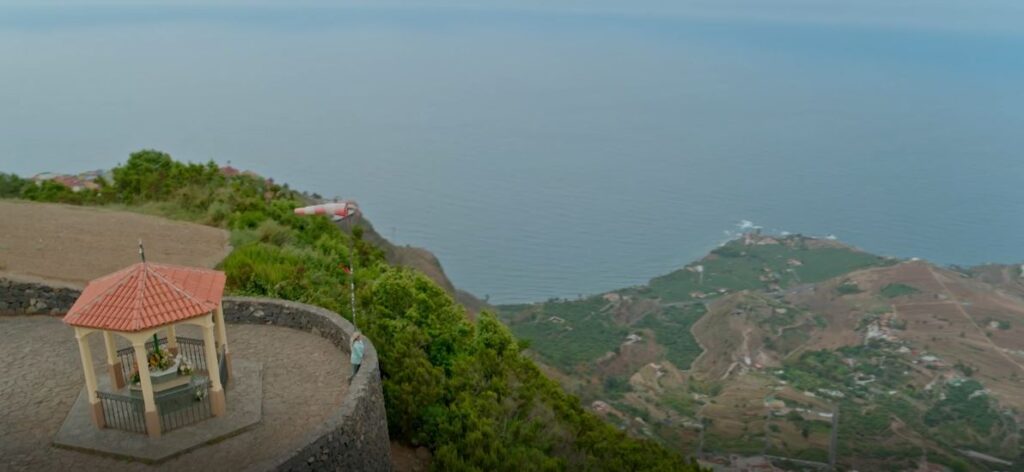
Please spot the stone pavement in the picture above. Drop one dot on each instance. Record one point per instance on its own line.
(245, 410)
(304, 381)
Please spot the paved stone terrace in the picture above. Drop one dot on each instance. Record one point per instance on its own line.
(304, 381)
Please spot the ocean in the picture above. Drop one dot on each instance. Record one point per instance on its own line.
(547, 152)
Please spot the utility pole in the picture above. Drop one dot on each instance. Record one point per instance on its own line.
(340, 211)
(352, 270)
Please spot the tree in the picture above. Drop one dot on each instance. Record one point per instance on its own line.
(50, 191)
(154, 175)
(11, 185)
(145, 176)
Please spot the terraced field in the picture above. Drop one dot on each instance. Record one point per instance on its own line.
(76, 244)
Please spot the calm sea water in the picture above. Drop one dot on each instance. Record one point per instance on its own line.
(549, 153)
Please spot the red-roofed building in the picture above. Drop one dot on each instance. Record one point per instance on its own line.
(139, 303)
(229, 171)
(71, 182)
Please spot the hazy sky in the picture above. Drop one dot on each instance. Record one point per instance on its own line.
(1002, 16)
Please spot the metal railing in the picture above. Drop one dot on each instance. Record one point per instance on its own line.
(177, 407)
(123, 412)
(183, 406)
(189, 348)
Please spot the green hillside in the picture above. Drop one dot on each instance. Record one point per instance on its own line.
(909, 358)
(461, 388)
(570, 333)
(738, 266)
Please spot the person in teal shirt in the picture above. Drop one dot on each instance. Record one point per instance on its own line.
(357, 348)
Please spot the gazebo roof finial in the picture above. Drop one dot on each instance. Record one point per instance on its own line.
(142, 252)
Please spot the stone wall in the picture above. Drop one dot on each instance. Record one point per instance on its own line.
(354, 437)
(30, 298)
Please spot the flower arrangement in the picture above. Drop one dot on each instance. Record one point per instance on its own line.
(184, 366)
(199, 388)
(159, 359)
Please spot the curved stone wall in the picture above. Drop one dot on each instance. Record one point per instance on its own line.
(354, 437)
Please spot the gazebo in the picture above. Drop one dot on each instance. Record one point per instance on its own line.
(139, 304)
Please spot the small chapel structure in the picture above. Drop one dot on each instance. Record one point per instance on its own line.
(161, 381)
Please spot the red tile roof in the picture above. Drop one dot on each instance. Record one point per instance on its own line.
(229, 171)
(147, 295)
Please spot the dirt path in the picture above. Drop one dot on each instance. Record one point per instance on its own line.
(797, 350)
(74, 244)
(959, 307)
(1009, 279)
(746, 354)
(703, 349)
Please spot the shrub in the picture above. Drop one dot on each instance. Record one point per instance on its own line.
(272, 232)
(848, 288)
(898, 290)
(616, 386)
(11, 186)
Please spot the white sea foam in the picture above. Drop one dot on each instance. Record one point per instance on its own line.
(745, 225)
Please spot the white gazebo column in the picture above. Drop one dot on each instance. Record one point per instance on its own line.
(95, 406)
(222, 340)
(172, 340)
(217, 403)
(152, 416)
(113, 363)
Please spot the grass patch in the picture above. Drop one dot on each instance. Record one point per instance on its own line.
(963, 406)
(633, 411)
(672, 329)
(791, 339)
(616, 386)
(738, 267)
(848, 288)
(679, 402)
(570, 333)
(898, 290)
(746, 444)
(816, 455)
